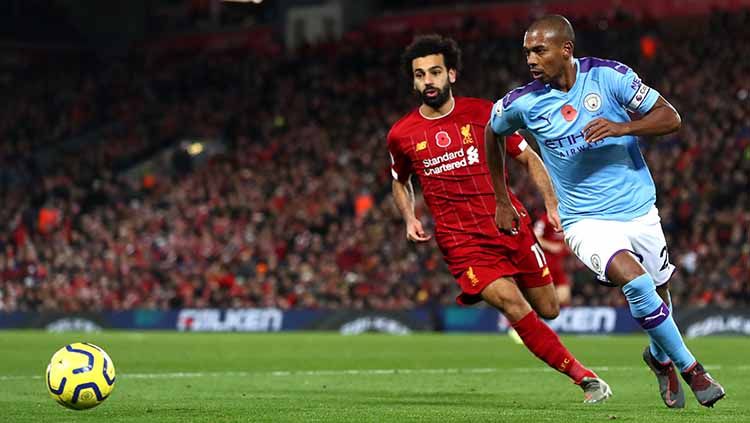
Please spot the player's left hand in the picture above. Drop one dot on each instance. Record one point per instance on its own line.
(415, 232)
(601, 128)
(507, 218)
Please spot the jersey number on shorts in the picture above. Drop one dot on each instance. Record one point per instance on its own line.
(664, 253)
(539, 253)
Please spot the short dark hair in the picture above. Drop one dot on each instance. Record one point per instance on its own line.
(558, 24)
(425, 45)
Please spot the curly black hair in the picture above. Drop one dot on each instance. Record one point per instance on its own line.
(425, 45)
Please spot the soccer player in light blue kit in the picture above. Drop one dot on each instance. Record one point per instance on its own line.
(577, 109)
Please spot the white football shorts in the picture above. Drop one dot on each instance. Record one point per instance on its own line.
(595, 242)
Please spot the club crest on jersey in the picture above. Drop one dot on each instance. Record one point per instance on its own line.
(592, 102)
(466, 133)
(421, 145)
(472, 276)
(442, 139)
(596, 262)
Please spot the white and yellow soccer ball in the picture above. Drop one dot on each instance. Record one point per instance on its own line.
(80, 376)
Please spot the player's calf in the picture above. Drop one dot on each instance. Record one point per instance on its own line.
(504, 295)
(543, 300)
(541, 340)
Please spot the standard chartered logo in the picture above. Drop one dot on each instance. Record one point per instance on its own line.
(472, 154)
(451, 161)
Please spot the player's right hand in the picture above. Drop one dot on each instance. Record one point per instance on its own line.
(415, 232)
(507, 218)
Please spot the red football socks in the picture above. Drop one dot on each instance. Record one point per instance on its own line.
(545, 344)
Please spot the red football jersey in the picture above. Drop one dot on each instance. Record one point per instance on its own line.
(447, 155)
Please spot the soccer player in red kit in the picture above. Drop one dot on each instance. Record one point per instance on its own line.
(552, 242)
(442, 143)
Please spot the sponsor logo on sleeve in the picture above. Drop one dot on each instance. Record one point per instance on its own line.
(638, 98)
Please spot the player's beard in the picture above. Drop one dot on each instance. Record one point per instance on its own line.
(437, 102)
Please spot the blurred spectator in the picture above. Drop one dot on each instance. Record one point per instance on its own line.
(298, 213)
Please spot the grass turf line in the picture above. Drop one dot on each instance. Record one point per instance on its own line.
(329, 377)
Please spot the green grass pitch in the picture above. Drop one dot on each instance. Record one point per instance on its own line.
(187, 377)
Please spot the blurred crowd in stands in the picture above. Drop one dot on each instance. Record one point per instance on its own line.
(297, 212)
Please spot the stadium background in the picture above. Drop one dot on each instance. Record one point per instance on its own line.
(159, 156)
(202, 165)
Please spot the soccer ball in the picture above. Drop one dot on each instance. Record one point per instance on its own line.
(80, 376)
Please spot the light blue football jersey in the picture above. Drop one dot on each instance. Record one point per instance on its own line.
(607, 179)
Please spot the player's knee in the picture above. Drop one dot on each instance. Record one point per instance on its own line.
(549, 310)
(663, 291)
(623, 268)
(499, 294)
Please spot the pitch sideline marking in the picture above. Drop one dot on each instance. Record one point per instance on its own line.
(368, 372)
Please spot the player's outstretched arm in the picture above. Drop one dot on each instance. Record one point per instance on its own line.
(540, 177)
(506, 216)
(662, 119)
(403, 196)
